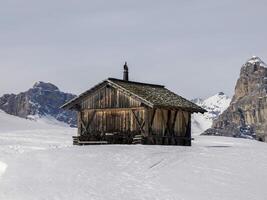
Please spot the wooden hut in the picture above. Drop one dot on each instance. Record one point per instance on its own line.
(125, 112)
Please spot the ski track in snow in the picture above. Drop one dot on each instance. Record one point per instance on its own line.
(43, 165)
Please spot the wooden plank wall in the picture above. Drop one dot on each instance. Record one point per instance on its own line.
(79, 125)
(123, 120)
(109, 97)
(110, 121)
(161, 119)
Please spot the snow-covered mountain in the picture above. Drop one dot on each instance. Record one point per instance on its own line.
(215, 105)
(41, 102)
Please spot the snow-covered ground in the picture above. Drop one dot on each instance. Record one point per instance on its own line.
(39, 162)
(18, 135)
(215, 105)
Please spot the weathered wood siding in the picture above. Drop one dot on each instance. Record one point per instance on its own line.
(109, 97)
(109, 110)
(112, 120)
(165, 119)
(128, 120)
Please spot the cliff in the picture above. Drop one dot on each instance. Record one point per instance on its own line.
(247, 114)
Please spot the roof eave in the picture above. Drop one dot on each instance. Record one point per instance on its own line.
(70, 104)
(146, 102)
(192, 110)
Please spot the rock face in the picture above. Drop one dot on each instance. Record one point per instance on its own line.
(42, 100)
(247, 114)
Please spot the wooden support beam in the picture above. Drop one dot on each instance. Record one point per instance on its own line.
(90, 121)
(83, 128)
(163, 119)
(166, 122)
(173, 122)
(79, 123)
(115, 109)
(143, 124)
(152, 118)
(188, 129)
(150, 121)
(184, 122)
(139, 123)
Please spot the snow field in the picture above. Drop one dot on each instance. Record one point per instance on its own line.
(40, 163)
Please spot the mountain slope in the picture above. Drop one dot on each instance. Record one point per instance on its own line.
(215, 105)
(18, 135)
(41, 101)
(247, 113)
(14, 123)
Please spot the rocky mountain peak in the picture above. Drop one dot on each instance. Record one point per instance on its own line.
(247, 114)
(255, 60)
(45, 86)
(43, 100)
(252, 80)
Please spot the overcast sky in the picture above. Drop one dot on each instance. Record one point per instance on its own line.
(195, 48)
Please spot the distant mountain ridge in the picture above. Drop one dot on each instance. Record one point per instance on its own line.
(42, 100)
(215, 105)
